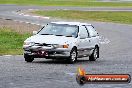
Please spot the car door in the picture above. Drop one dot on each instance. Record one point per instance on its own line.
(83, 41)
(94, 37)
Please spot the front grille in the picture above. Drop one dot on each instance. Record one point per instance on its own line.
(43, 44)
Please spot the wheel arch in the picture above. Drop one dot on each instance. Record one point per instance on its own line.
(97, 45)
(75, 47)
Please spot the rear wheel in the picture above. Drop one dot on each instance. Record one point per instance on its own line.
(28, 58)
(94, 55)
(73, 55)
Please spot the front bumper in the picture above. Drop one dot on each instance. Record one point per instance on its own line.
(48, 53)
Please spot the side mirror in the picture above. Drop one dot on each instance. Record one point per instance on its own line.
(82, 36)
(34, 32)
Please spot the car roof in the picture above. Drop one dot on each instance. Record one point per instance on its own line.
(71, 23)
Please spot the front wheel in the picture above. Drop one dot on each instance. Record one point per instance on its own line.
(28, 58)
(94, 55)
(73, 55)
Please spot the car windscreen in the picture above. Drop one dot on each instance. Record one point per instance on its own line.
(60, 30)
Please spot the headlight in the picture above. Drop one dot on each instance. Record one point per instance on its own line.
(29, 43)
(60, 46)
(65, 46)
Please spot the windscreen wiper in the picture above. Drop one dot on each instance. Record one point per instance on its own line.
(59, 35)
(69, 36)
(64, 35)
(46, 34)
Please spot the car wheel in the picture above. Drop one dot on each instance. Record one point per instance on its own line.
(73, 55)
(94, 55)
(28, 58)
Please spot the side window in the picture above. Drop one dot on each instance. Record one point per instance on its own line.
(92, 31)
(83, 31)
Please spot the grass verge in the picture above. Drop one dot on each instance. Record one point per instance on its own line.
(67, 3)
(118, 17)
(11, 42)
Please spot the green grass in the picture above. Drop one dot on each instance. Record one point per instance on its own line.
(118, 17)
(11, 42)
(66, 3)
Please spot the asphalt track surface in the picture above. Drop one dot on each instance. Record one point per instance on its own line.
(115, 56)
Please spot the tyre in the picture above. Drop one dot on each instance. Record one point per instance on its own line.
(94, 55)
(28, 58)
(73, 55)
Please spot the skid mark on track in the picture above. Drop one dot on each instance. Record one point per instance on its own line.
(19, 12)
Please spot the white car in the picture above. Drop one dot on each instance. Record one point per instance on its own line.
(63, 40)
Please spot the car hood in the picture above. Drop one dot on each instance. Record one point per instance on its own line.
(50, 39)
